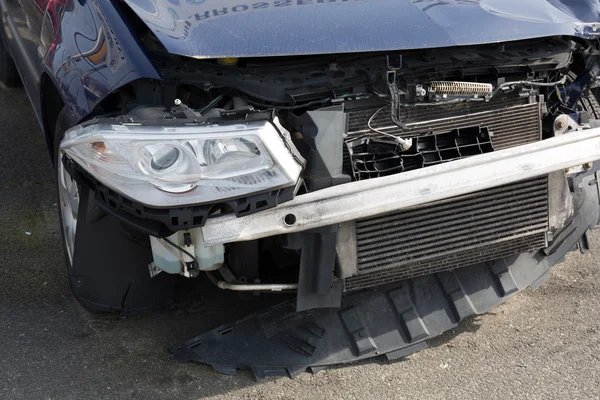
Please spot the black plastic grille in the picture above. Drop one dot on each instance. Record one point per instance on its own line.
(375, 158)
(458, 232)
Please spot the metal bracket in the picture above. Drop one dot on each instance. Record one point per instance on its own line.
(395, 99)
(565, 123)
(154, 270)
(392, 73)
(189, 113)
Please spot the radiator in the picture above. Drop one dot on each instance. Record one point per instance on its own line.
(478, 227)
(443, 236)
(513, 122)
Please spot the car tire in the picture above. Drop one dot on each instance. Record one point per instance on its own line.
(591, 105)
(9, 76)
(107, 262)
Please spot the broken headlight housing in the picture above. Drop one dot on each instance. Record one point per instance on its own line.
(185, 164)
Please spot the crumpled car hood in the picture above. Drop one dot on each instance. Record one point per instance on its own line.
(252, 28)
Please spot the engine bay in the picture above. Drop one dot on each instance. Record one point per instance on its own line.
(457, 101)
(353, 117)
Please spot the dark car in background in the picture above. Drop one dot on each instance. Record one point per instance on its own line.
(394, 165)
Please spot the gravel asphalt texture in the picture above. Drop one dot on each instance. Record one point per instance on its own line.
(542, 344)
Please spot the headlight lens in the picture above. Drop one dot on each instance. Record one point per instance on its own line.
(187, 164)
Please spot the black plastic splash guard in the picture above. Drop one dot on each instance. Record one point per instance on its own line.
(393, 320)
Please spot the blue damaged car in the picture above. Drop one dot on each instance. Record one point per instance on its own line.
(394, 165)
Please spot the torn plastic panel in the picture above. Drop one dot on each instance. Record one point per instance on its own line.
(318, 287)
(394, 320)
(323, 131)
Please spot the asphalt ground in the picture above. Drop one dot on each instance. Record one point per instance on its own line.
(542, 344)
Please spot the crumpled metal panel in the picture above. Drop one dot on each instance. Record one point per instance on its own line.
(252, 28)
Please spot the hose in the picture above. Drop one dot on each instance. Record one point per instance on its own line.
(251, 287)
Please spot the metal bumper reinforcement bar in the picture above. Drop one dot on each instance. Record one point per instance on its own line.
(357, 200)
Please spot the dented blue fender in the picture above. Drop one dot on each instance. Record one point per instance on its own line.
(251, 28)
(84, 48)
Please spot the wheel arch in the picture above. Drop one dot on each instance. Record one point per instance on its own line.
(52, 103)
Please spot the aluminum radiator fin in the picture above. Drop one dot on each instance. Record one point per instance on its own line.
(358, 118)
(511, 123)
(446, 263)
(454, 233)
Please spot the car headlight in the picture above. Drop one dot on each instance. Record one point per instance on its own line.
(188, 164)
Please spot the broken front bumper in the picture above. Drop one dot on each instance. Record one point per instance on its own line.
(397, 319)
(371, 197)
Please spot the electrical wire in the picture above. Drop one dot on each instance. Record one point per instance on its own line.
(195, 260)
(304, 105)
(554, 108)
(404, 143)
(170, 249)
(211, 104)
(529, 83)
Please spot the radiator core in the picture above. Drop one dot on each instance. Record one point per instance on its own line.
(442, 236)
(458, 232)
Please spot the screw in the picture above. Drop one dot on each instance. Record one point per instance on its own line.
(177, 102)
(588, 166)
(560, 123)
